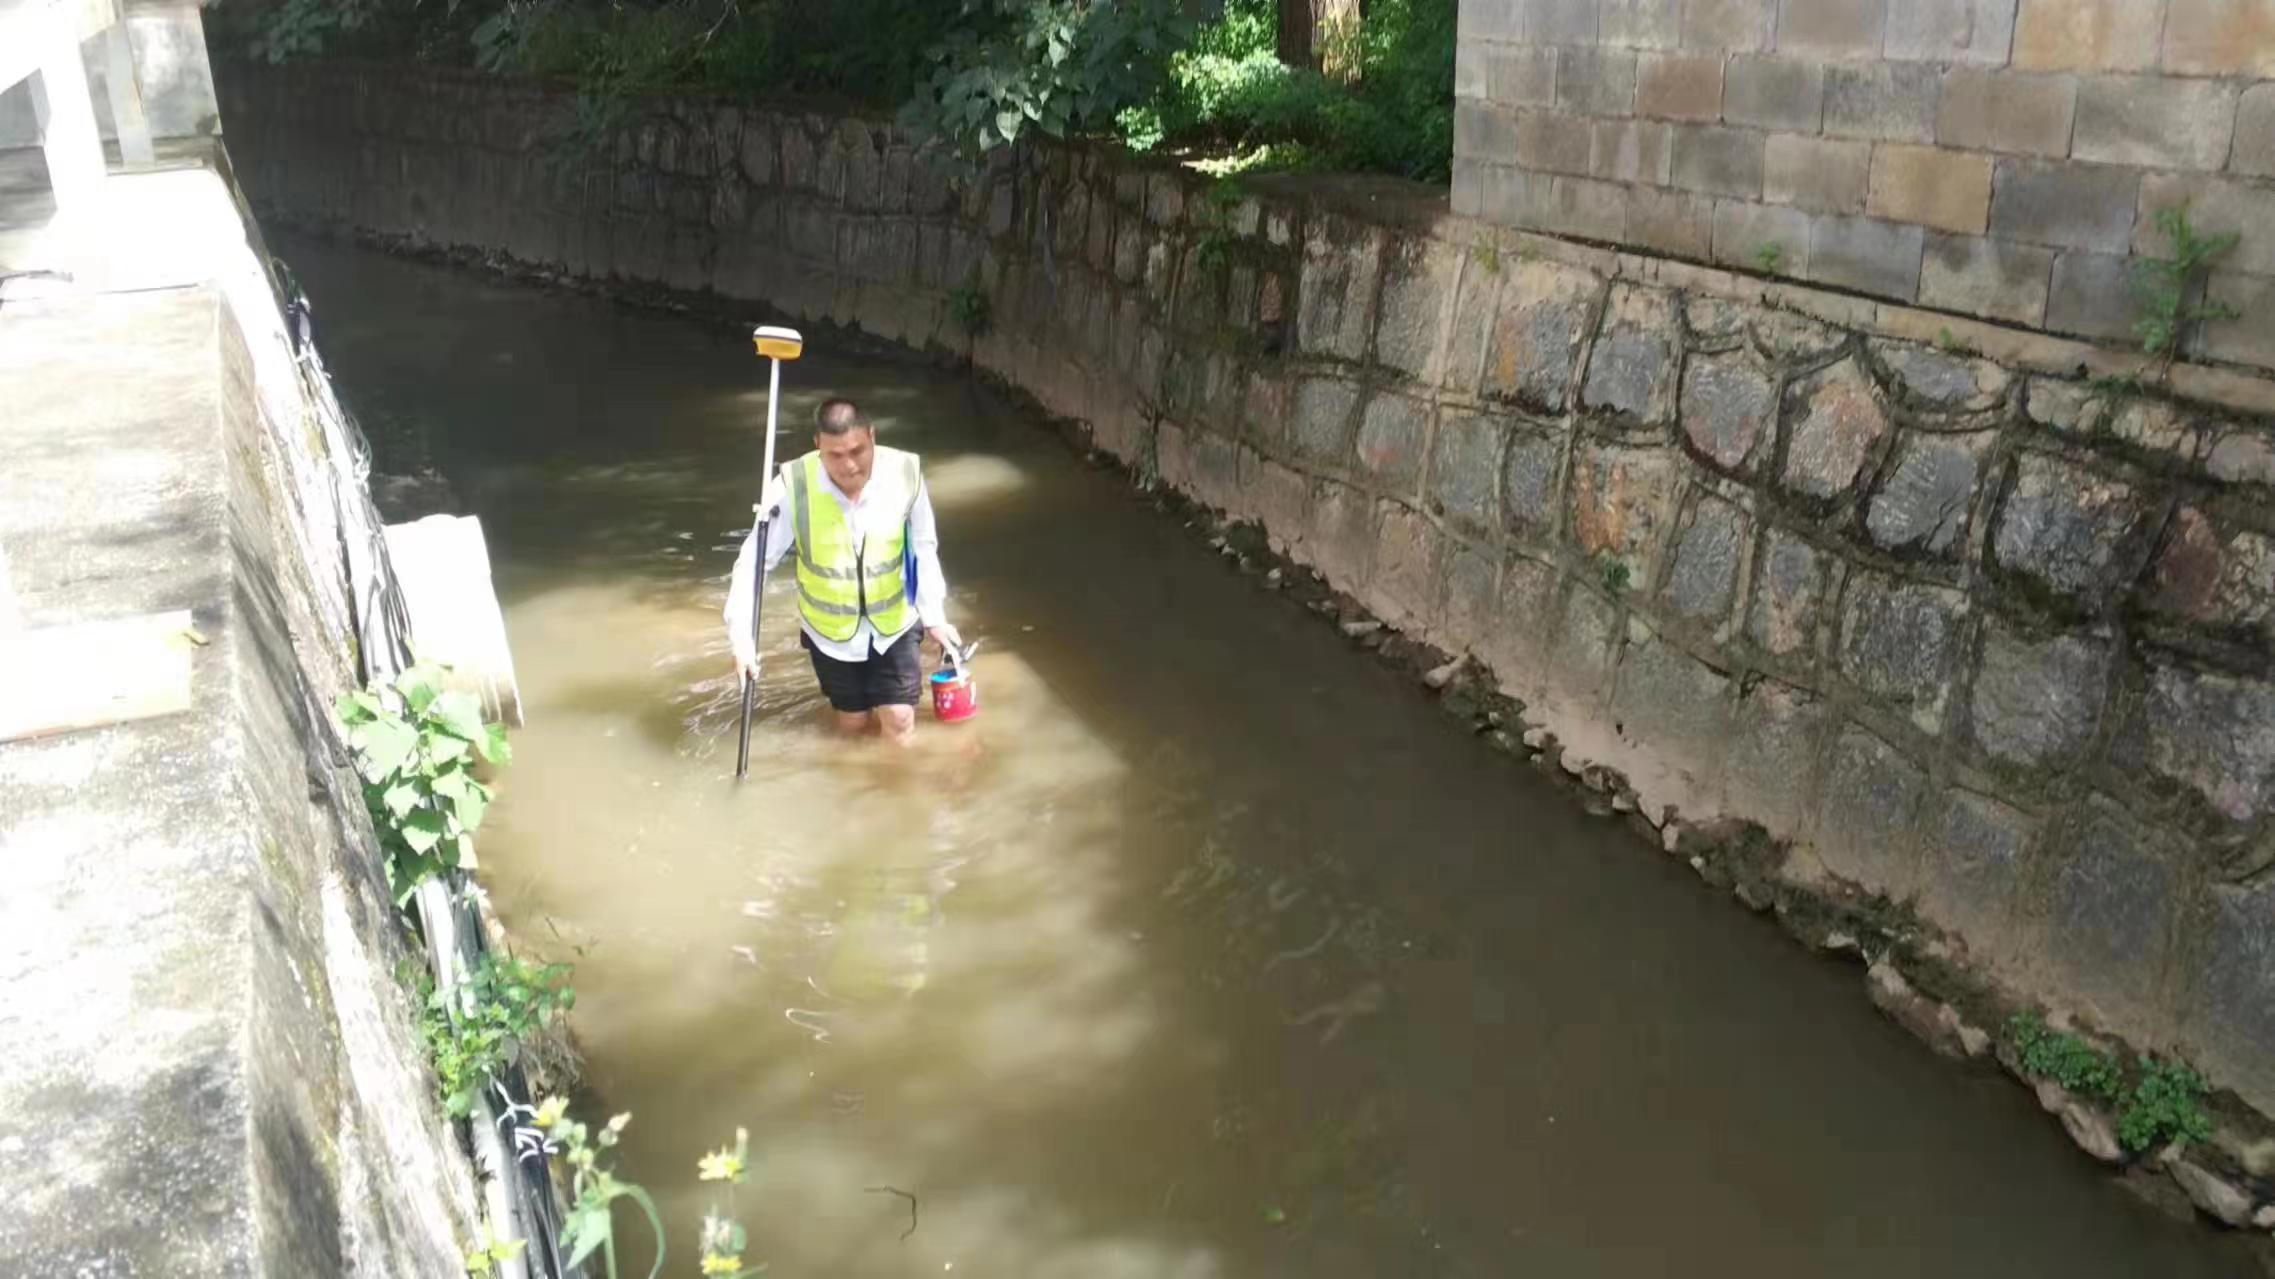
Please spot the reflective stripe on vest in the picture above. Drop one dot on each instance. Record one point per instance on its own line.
(840, 578)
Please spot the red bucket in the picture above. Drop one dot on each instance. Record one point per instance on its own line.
(954, 696)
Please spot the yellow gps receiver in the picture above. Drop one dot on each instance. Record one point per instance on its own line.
(777, 343)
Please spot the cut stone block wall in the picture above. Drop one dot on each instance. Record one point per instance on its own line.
(1965, 627)
(1998, 158)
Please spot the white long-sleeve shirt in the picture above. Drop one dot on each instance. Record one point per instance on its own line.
(868, 518)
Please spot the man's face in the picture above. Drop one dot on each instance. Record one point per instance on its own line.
(847, 457)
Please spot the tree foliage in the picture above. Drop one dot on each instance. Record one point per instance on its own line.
(1389, 109)
(979, 74)
(1012, 68)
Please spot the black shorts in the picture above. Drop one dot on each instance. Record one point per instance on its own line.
(892, 678)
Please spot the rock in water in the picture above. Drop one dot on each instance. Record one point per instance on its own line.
(2220, 1199)
(2088, 1127)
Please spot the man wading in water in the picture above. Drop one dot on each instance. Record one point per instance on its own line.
(859, 517)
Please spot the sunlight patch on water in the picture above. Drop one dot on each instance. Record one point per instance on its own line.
(972, 479)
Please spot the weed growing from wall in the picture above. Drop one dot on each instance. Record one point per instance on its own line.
(2168, 317)
(1617, 576)
(415, 747)
(2164, 1105)
(510, 1010)
(969, 307)
(2065, 1059)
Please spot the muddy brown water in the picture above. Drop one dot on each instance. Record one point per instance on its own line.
(1210, 948)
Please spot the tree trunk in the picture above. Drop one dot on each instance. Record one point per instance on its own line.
(1295, 32)
(1321, 35)
(1335, 35)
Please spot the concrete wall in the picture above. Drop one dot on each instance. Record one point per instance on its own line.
(1968, 630)
(211, 1066)
(2000, 158)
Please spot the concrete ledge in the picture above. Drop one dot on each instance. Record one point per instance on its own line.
(210, 1066)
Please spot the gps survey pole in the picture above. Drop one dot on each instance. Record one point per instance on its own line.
(776, 345)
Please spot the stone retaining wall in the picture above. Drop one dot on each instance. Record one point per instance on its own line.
(2000, 158)
(1972, 632)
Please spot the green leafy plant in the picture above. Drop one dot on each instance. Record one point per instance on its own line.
(1769, 256)
(415, 747)
(2167, 316)
(1617, 575)
(1007, 69)
(594, 1187)
(2166, 1106)
(2064, 1058)
(507, 1011)
(724, 1239)
(969, 306)
(1487, 255)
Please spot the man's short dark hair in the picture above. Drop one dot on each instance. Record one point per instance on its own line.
(837, 416)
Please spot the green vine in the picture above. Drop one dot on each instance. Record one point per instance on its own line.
(1213, 250)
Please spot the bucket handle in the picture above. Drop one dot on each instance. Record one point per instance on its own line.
(959, 658)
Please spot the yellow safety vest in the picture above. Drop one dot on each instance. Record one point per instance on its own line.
(841, 579)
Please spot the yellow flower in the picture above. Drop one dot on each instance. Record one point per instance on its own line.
(720, 1165)
(550, 1110)
(721, 1264)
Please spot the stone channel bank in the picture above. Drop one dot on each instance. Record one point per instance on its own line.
(1913, 591)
